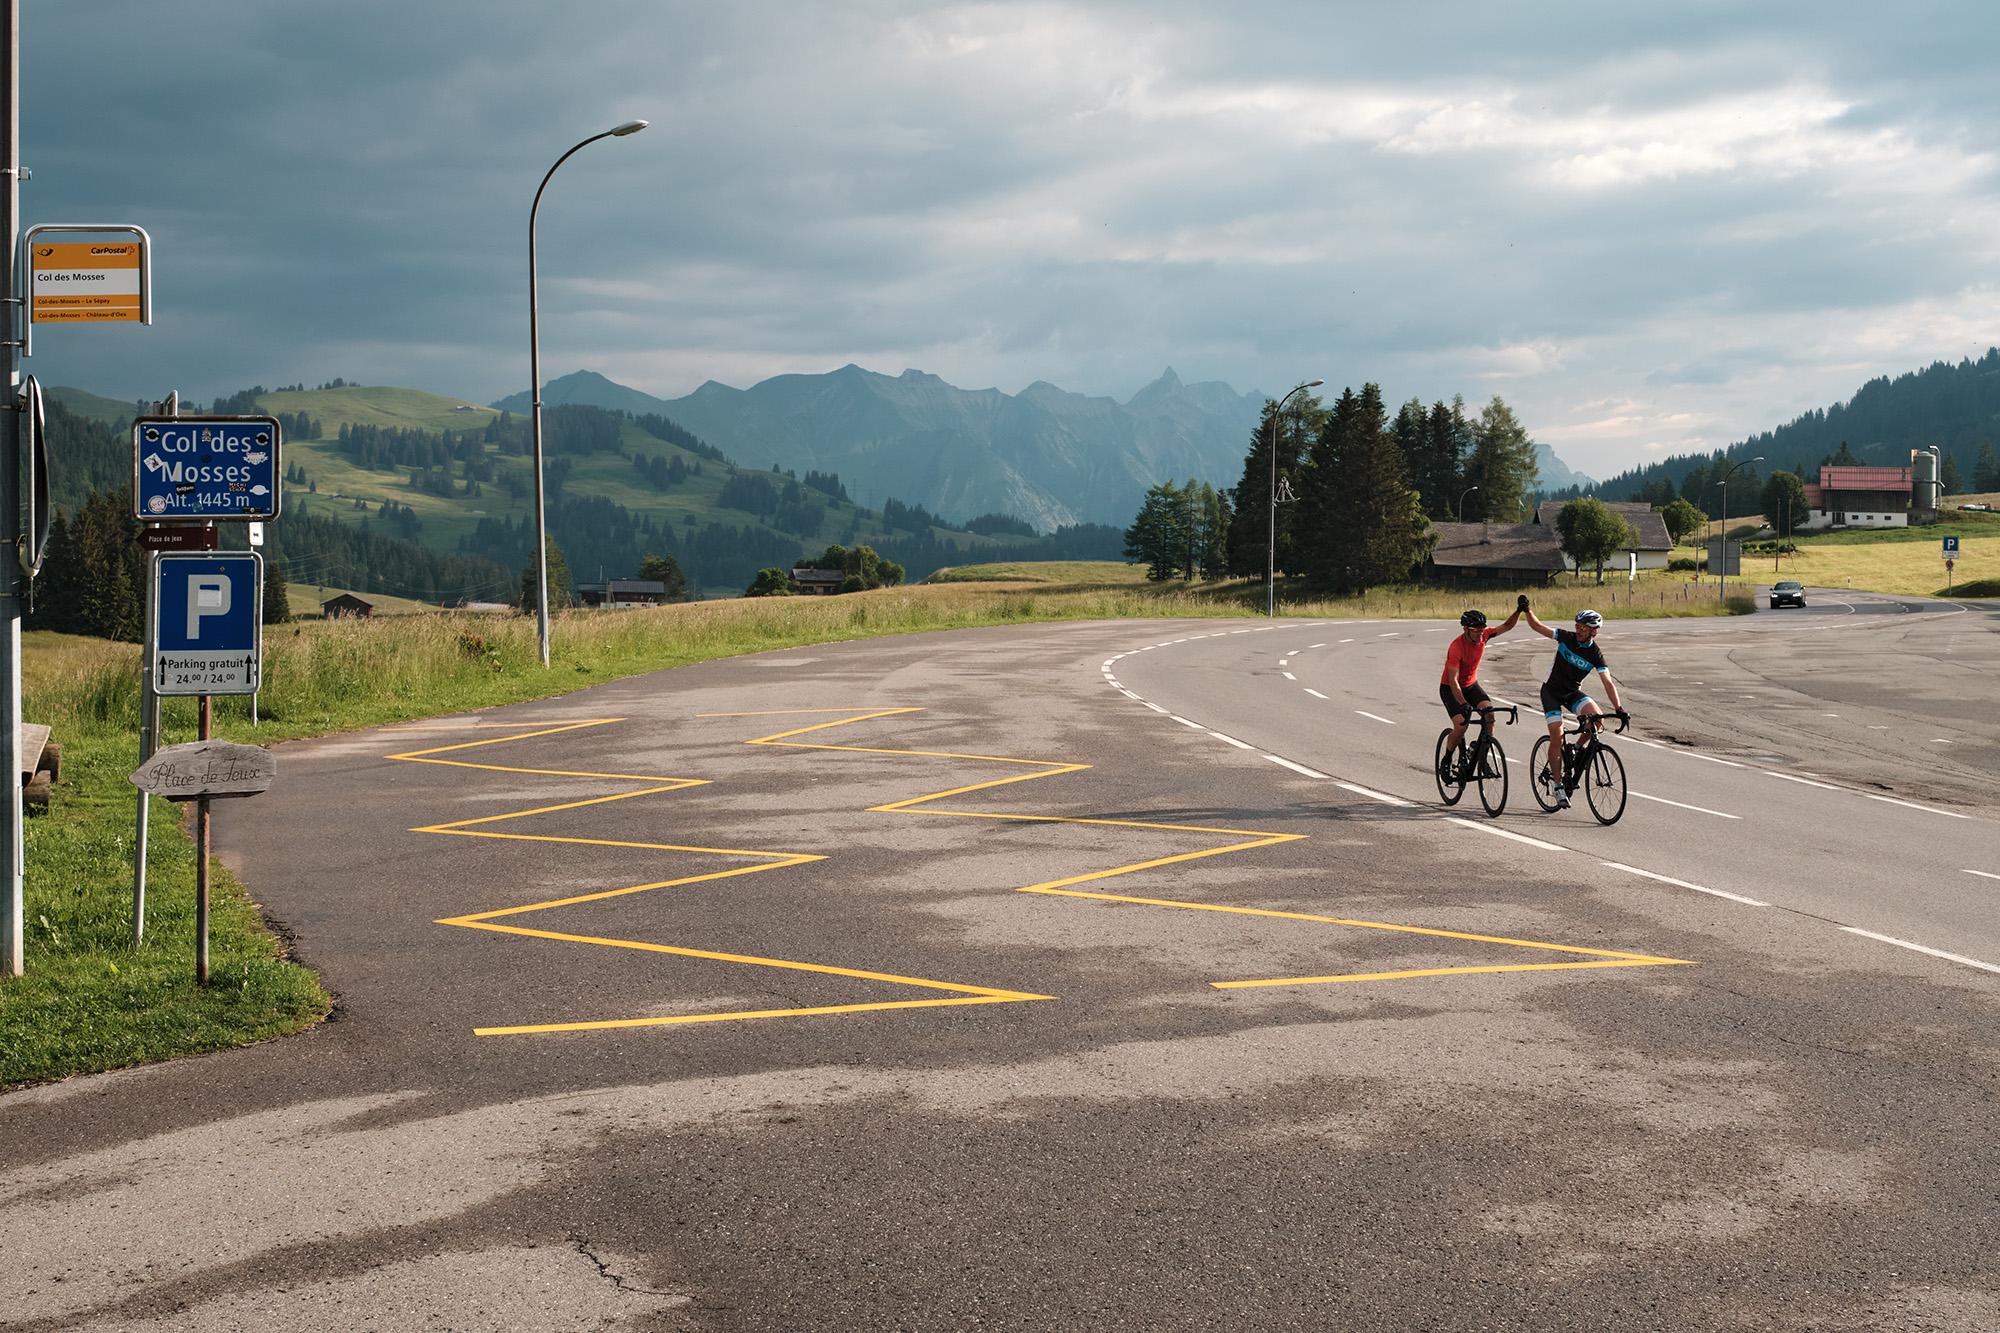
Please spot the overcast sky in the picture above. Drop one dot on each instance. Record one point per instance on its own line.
(1650, 229)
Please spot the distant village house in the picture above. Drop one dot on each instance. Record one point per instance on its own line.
(1495, 553)
(347, 604)
(622, 592)
(808, 582)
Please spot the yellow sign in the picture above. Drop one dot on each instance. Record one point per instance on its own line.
(93, 280)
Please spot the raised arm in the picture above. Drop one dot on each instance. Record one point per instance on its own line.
(1521, 607)
(1506, 624)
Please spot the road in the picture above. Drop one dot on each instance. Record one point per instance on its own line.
(1111, 975)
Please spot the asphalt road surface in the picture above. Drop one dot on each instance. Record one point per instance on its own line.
(1117, 975)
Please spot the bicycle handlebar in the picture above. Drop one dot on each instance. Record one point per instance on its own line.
(1624, 720)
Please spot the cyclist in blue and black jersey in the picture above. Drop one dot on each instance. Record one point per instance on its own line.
(1577, 655)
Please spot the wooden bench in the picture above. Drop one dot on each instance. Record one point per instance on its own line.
(41, 765)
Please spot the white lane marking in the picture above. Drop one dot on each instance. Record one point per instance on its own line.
(1912, 805)
(1239, 631)
(1499, 832)
(1983, 874)
(1803, 782)
(1434, 631)
(1127, 693)
(1347, 641)
(1282, 762)
(1390, 634)
(1698, 809)
(1314, 693)
(1150, 704)
(1372, 794)
(1692, 754)
(1184, 722)
(1284, 661)
(1923, 948)
(1241, 745)
(1365, 713)
(1311, 646)
(1876, 726)
(1939, 740)
(1683, 884)
(1288, 675)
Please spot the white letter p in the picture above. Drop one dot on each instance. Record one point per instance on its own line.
(208, 595)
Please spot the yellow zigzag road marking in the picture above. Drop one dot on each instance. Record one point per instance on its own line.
(1600, 958)
(964, 995)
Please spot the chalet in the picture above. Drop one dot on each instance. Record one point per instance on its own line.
(1859, 497)
(1495, 553)
(1653, 545)
(347, 604)
(622, 592)
(808, 582)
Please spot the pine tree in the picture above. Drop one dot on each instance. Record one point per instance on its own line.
(1986, 469)
(559, 585)
(277, 605)
(1250, 524)
(1214, 532)
(1949, 478)
(1502, 465)
(1440, 475)
(1159, 536)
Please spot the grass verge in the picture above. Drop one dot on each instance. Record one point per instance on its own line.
(90, 1001)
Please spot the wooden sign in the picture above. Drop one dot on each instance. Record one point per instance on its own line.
(159, 537)
(207, 768)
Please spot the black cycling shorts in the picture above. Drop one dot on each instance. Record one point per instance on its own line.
(1554, 700)
(1475, 696)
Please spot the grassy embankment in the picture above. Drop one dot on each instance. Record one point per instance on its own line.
(1905, 560)
(90, 1001)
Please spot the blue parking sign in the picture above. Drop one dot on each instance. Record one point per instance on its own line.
(207, 631)
(198, 469)
(1951, 546)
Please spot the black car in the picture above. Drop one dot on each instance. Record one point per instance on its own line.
(1787, 592)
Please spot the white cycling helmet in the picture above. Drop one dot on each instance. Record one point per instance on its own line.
(1590, 618)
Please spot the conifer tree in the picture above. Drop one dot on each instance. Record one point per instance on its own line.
(1251, 521)
(1502, 465)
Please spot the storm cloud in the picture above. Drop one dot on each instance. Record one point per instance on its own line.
(1650, 232)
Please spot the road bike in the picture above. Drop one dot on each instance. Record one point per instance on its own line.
(1587, 763)
(1486, 764)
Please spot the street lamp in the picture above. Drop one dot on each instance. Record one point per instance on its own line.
(1271, 545)
(535, 397)
(1461, 502)
(1722, 558)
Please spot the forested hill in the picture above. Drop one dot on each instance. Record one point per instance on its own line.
(396, 491)
(1956, 407)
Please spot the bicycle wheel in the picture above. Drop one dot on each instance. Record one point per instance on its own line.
(1604, 786)
(1538, 764)
(1493, 777)
(1449, 792)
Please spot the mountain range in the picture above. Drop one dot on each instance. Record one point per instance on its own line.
(1045, 455)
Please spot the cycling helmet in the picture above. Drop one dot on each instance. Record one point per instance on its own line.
(1590, 618)
(1473, 620)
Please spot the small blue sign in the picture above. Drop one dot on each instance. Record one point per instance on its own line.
(1951, 546)
(198, 469)
(207, 630)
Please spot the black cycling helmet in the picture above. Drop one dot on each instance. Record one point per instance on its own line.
(1473, 620)
(1590, 618)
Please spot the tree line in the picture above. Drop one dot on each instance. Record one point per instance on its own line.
(1355, 491)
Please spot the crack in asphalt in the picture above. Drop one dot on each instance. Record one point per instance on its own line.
(618, 1280)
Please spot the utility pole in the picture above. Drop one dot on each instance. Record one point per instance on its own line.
(13, 918)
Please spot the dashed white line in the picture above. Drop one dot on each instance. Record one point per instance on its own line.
(1923, 948)
(1377, 717)
(1683, 884)
(1283, 762)
(1910, 805)
(1983, 874)
(1314, 693)
(1284, 661)
(1499, 832)
(1184, 722)
(1372, 794)
(1311, 646)
(1390, 634)
(1241, 745)
(1150, 704)
(1698, 809)
(1803, 782)
(1692, 754)
(1347, 641)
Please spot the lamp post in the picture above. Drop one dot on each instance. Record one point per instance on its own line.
(1271, 543)
(535, 396)
(1722, 557)
(1461, 501)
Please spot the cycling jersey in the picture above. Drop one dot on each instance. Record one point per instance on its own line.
(1464, 658)
(1575, 660)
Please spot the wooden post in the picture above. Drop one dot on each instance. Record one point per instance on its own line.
(201, 870)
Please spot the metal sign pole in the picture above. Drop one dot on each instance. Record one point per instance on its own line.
(13, 911)
(149, 741)
(201, 871)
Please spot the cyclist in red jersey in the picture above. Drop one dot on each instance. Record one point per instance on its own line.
(1459, 688)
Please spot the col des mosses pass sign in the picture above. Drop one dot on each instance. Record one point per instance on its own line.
(196, 469)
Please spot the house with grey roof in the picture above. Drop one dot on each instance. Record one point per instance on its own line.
(1652, 545)
(1510, 553)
